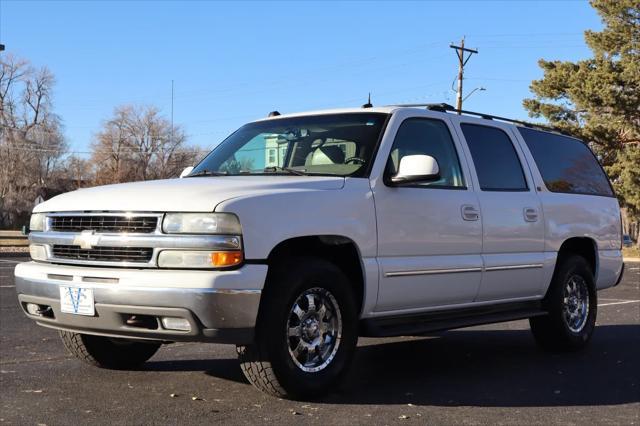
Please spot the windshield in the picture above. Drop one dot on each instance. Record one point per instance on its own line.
(336, 145)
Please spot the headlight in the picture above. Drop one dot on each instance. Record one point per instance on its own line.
(201, 223)
(37, 222)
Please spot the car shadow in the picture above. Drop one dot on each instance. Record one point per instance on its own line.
(482, 368)
(496, 369)
(227, 369)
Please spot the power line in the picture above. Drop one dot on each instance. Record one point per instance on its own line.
(284, 78)
(217, 132)
(362, 61)
(62, 151)
(32, 129)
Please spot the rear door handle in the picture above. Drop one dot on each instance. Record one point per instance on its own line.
(470, 212)
(530, 214)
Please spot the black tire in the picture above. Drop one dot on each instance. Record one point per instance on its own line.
(270, 364)
(553, 331)
(106, 352)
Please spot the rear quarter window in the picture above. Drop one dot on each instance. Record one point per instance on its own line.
(566, 164)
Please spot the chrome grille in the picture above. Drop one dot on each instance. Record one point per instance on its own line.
(104, 224)
(103, 254)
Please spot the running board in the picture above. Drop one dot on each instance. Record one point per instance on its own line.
(417, 324)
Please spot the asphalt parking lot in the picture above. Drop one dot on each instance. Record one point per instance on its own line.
(490, 374)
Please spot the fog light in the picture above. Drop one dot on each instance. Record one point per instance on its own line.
(179, 324)
(37, 252)
(199, 259)
(33, 309)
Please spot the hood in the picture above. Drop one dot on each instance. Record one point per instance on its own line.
(197, 194)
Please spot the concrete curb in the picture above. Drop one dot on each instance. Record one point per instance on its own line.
(632, 259)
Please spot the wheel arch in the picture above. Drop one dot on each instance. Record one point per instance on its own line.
(582, 246)
(337, 249)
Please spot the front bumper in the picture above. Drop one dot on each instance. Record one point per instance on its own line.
(220, 306)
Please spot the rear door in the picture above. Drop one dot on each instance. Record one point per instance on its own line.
(513, 226)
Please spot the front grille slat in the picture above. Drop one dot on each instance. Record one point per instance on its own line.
(103, 254)
(104, 224)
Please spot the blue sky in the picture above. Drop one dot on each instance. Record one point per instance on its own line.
(234, 62)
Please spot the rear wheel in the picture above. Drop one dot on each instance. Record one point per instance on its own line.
(306, 332)
(572, 305)
(107, 352)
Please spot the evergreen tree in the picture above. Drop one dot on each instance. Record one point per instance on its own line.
(598, 99)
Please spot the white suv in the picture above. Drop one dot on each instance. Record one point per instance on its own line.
(301, 232)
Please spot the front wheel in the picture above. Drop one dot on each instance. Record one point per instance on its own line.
(572, 305)
(306, 332)
(107, 352)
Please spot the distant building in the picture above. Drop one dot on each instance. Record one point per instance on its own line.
(275, 151)
(43, 194)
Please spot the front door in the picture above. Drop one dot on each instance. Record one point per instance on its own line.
(429, 234)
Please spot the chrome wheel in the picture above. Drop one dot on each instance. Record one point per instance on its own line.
(314, 330)
(575, 304)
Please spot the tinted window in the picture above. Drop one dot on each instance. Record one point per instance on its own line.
(566, 164)
(421, 136)
(495, 158)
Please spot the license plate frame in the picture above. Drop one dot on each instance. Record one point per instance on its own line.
(77, 300)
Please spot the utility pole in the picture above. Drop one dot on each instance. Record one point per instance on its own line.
(462, 61)
(171, 111)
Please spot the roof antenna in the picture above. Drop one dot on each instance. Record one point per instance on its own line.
(368, 104)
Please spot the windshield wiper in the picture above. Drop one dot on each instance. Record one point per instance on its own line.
(275, 169)
(206, 172)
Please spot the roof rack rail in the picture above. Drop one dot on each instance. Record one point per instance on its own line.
(444, 107)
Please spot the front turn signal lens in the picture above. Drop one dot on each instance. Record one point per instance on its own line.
(221, 259)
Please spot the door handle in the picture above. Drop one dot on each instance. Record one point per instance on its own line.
(530, 214)
(470, 212)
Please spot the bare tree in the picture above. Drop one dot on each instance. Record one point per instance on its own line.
(137, 143)
(111, 150)
(31, 140)
(74, 173)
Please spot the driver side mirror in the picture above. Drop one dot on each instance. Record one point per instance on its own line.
(416, 168)
(186, 171)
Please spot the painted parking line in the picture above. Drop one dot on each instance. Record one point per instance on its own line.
(619, 303)
(7, 286)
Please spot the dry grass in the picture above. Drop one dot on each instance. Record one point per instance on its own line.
(14, 243)
(631, 251)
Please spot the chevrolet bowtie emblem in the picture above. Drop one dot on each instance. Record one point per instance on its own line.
(86, 239)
